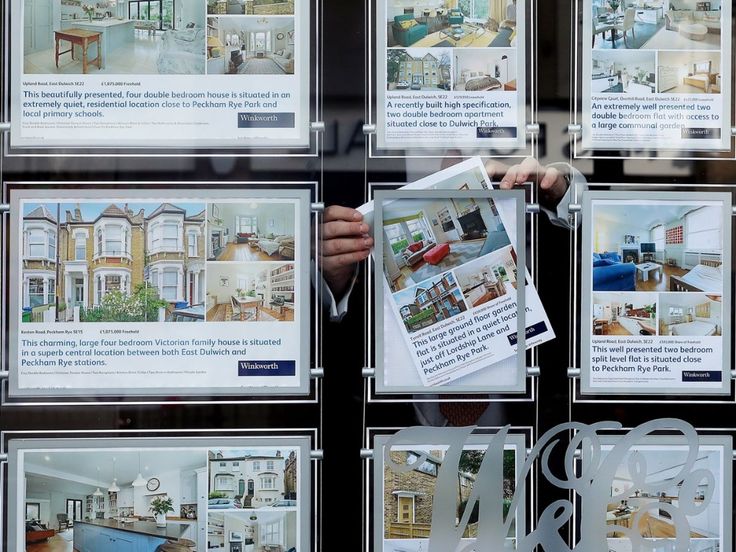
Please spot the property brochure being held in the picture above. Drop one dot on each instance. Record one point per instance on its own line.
(658, 75)
(451, 73)
(171, 74)
(656, 293)
(449, 287)
(190, 292)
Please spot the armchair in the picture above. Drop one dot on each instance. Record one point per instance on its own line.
(456, 17)
(407, 30)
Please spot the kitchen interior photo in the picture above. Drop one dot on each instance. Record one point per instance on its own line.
(623, 72)
(664, 465)
(125, 36)
(81, 500)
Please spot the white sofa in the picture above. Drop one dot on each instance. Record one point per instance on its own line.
(272, 245)
(711, 19)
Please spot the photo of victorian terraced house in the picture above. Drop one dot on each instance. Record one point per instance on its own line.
(430, 302)
(109, 262)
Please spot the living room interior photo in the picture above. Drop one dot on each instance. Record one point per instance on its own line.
(664, 465)
(689, 72)
(451, 23)
(250, 292)
(624, 314)
(250, 45)
(250, 7)
(123, 37)
(488, 278)
(623, 72)
(656, 24)
(255, 231)
(690, 314)
(425, 238)
(660, 246)
(68, 491)
(484, 70)
(261, 531)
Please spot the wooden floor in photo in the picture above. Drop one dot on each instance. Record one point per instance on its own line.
(655, 283)
(54, 544)
(243, 252)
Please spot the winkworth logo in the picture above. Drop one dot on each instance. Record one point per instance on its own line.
(266, 368)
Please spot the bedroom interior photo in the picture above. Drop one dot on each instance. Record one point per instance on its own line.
(664, 465)
(663, 247)
(250, 45)
(624, 314)
(124, 37)
(690, 314)
(425, 238)
(623, 72)
(250, 292)
(244, 232)
(451, 23)
(657, 25)
(689, 72)
(484, 70)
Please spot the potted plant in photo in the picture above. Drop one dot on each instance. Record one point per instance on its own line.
(161, 506)
(89, 10)
(614, 4)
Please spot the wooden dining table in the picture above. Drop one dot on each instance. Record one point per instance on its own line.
(83, 39)
(246, 303)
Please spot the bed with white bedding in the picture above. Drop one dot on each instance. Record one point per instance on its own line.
(701, 278)
(696, 327)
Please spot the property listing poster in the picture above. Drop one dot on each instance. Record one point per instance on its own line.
(143, 293)
(450, 287)
(658, 75)
(451, 73)
(167, 74)
(681, 488)
(205, 484)
(657, 316)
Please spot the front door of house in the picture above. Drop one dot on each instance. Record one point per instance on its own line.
(192, 299)
(406, 510)
(78, 292)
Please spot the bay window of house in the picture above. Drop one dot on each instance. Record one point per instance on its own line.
(170, 233)
(224, 483)
(169, 281)
(268, 482)
(51, 292)
(37, 243)
(113, 283)
(52, 245)
(36, 295)
(114, 240)
(192, 243)
(704, 229)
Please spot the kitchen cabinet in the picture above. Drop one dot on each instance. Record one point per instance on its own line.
(202, 490)
(188, 487)
(111, 536)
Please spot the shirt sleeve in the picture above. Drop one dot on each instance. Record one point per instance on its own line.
(337, 309)
(560, 216)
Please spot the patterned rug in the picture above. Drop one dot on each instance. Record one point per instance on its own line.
(260, 66)
(460, 253)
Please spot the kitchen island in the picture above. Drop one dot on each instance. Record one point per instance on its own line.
(116, 33)
(137, 536)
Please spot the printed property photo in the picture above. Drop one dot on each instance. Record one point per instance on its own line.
(407, 496)
(136, 37)
(656, 24)
(451, 23)
(113, 262)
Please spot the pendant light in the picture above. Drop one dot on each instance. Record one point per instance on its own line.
(98, 492)
(114, 487)
(139, 481)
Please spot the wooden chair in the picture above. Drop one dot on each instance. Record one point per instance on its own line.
(236, 309)
(63, 521)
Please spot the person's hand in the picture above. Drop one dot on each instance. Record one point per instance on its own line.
(345, 242)
(551, 180)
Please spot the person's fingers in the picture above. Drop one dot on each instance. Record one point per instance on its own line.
(341, 246)
(550, 179)
(509, 179)
(337, 262)
(338, 212)
(340, 228)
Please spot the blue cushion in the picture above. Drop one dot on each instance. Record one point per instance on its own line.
(604, 262)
